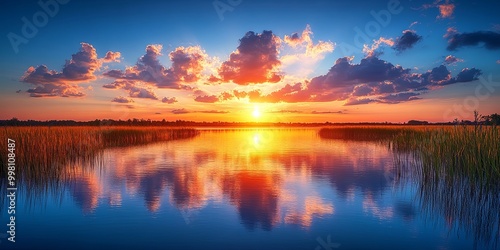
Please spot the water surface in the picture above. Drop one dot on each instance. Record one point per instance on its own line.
(237, 189)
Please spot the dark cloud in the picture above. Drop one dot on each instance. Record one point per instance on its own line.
(180, 111)
(406, 41)
(490, 39)
(169, 100)
(122, 99)
(254, 61)
(399, 97)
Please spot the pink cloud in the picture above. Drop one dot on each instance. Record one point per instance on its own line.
(187, 65)
(452, 60)
(446, 10)
(80, 68)
(254, 61)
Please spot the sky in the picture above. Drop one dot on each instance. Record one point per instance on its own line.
(250, 61)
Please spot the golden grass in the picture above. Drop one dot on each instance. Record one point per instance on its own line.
(41, 150)
(443, 150)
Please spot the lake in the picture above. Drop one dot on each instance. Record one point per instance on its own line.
(245, 189)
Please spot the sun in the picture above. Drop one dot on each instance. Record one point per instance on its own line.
(256, 112)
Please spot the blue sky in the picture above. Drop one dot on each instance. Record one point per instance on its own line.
(128, 27)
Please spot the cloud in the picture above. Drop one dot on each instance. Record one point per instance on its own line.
(207, 98)
(213, 112)
(169, 100)
(133, 90)
(372, 51)
(498, 61)
(305, 40)
(112, 57)
(326, 112)
(490, 39)
(372, 80)
(122, 99)
(399, 97)
(283, 111)
(185, 111)
(80, 68)
(187, 66)
(446, 10)
(406, 41)
(180, 111)
(413, 24)
(452, 60)
(254, 61)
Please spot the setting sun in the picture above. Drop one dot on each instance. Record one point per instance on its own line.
(256, 112)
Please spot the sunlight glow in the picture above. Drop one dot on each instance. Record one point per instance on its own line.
(256, 112)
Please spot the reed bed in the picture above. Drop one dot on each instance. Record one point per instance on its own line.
(43, 151)
(473, 151)
(456, 170)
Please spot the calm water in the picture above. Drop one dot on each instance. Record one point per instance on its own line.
(236, 189)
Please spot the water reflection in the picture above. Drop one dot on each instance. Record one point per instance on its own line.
(269, 178)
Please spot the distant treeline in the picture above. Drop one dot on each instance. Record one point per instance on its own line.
(493, 119)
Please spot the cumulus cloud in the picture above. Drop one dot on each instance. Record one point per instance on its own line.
(372, 80)
(133, 90)
(406, 41)
(169, 100)
(187, 66)
(490, 39)
(254, 61)
(112, 57)
(80, 68)
(452, 60)
(302, 53)
(122, 99)
(305, 40)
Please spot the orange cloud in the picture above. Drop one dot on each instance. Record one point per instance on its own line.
(254, 61)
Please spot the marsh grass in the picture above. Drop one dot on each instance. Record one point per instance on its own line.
(472, 151)
(42, 153)
(456, 170)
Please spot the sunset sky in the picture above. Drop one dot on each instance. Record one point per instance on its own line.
(242, 60)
